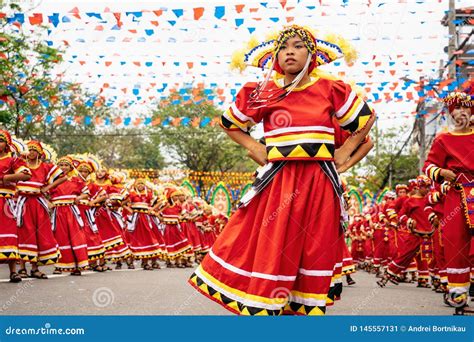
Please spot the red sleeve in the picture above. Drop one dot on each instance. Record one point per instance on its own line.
(18, 165)
(239, 116)
(404, 212)
(351, 112)
(436, 160)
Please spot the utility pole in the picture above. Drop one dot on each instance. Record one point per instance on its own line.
(376, 137)
(452, 40)
(421, 122)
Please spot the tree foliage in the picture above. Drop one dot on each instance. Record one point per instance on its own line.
(202, 147)
(386, 164)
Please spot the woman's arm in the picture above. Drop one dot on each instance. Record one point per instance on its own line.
(15, 177)
(54, 184)
(358, 155)
(255, 150)
(80, 197)
(342, 154)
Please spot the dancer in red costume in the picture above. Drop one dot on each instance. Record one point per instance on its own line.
(451, 159)
(12, 170)
(36, 241)
(259, 253)
(414, 213)
(108, 225)
(86, 166)
(67, 223)
(189, 215)
(177, 245)
(142, 242)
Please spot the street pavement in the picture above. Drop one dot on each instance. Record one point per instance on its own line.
(166, 292)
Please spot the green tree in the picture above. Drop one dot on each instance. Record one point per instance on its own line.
(375, 171)
(29, 86)
(202, 148)
(130, 149)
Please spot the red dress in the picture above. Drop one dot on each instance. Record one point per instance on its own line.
(453, 151)
(36, 240)
(95, 246)
(415, 208)
(277, 253)
(176, 242)
(142, 241)
(8, 228)
(158, 230)
(109, 229)
(189, 227)
(68, 226)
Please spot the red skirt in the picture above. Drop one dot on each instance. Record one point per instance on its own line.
(176, 242)
(109, 230)
(71, 240)
(8, 232)
(348, 265)
(155, 223)
(277, 255)
(205, 246)
(143, 243)
(36, 242)
(95, 247)
(192, 234)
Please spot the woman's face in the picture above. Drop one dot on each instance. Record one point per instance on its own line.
(101, 173)
(3, 146)
(140, 186)
(33, 154)
(402, 193)
(84, 173)
(65, 167)
(461, 116)
(292, 56)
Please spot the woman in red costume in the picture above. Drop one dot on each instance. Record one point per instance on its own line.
(177, 245)
(109, 228)
(188, 215)
(451, 159)
(278, 252)
(142, 241)
(68, 226)
(95, 247)
(36, 240)
(12, 170)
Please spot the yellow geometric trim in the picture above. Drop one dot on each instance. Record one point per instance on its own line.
(309, 295)
(298, 152)
(451, 285)
(274, 154)
(323, 152)
(350, 112)
(291, 137)
(242, 295)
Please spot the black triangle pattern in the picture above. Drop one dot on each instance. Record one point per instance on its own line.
(331, 293)
(311, 148)
(252, 310)
(354, 125)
